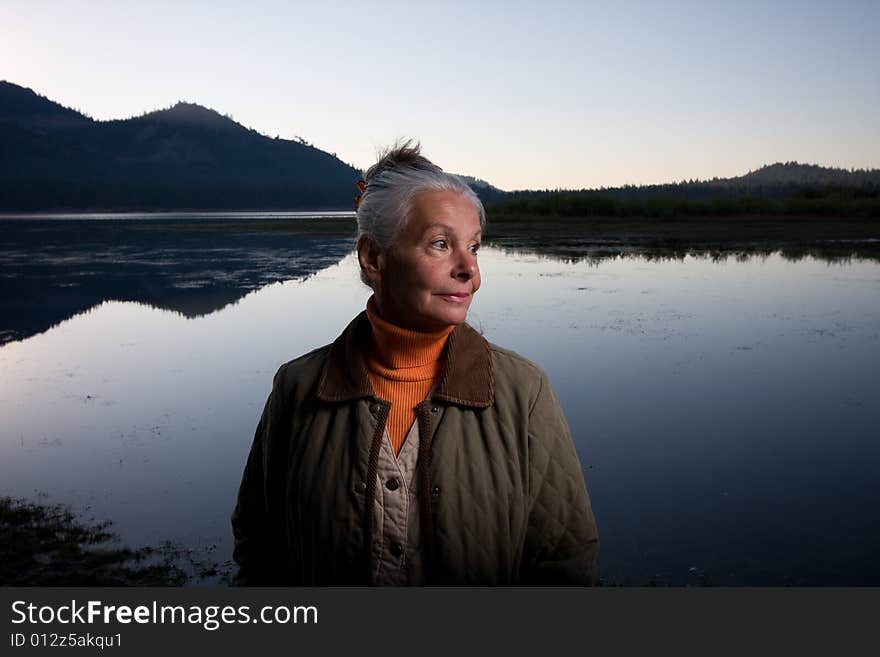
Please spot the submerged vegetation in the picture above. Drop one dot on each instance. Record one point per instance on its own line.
(48, 546)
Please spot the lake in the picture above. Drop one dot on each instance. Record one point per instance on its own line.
(725, 405)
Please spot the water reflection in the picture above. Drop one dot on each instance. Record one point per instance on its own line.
(724, 409)
(196, 264)
(842, 254)
(574, 248)
(837, 240)
(52, 270)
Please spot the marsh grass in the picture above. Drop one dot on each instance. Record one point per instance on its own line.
(47, 545)
(825, 202)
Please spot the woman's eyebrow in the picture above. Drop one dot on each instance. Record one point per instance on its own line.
(448, 228)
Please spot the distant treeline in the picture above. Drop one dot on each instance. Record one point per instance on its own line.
(825, 201)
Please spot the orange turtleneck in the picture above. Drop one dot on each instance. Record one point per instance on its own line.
(402, 366)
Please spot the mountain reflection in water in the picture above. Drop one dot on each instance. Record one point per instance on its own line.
(53, 269)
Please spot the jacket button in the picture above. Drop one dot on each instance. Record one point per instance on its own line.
(435, 490)
(374, 408)
(396, 549)
(361, 487)
(392, 484)
(434, 409)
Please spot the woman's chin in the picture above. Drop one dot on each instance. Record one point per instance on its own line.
(440, 320)
(452, 313)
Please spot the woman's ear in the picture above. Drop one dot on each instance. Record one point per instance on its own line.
(371, 258)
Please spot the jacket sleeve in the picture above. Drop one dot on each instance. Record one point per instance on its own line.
(257, 520)
(561, 538)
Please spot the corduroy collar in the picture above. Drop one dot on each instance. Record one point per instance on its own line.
(467, 377)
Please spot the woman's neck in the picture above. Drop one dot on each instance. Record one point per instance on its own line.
(397, 347)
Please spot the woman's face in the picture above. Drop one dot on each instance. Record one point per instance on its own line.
(431, 274)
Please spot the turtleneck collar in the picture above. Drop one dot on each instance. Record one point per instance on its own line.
(395, 347)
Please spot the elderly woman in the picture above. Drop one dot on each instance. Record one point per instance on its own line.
(411, 451)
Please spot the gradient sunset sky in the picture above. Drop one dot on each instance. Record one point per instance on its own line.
(522, 94)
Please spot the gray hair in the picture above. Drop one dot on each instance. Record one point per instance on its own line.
(392, 183)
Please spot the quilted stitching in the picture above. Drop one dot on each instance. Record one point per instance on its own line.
(555, 519)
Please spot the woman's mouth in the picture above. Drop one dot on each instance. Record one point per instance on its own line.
(458, 297)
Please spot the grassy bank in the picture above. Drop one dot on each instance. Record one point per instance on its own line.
(850, 203)
(49, 546)
(503, 224)
(823, 236)
(690, 227)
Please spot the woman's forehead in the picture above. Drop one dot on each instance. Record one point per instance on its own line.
(446, 210)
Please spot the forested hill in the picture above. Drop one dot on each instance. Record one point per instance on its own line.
(780, 180)
(186, 156)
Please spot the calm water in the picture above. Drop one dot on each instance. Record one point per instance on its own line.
(725, 410)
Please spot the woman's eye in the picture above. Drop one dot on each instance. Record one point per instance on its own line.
(442, 244)
(475, 248)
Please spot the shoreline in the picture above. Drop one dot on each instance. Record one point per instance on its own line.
(49, 545)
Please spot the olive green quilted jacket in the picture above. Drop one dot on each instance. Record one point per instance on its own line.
(502, 499)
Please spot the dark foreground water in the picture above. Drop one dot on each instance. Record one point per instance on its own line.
(725, 409)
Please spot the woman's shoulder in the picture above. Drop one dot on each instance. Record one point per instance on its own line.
(302, 369)
(520, 383)
(513, 359)
(511, 367)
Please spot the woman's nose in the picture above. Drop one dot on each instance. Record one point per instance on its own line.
(466, 267)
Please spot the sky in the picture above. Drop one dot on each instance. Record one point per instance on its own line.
(522, 94)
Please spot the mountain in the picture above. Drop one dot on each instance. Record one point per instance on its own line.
(488, 193)
(192, 157)
(193, 116)
(183, 157)
(20, 106)
(808, 175)
(774, 181)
